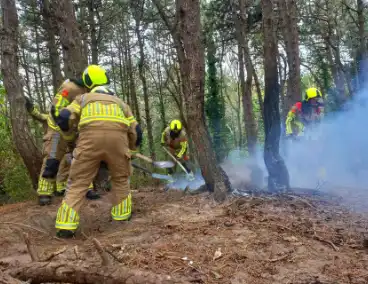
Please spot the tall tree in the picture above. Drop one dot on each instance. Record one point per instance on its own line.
(215, 103)
(50, 28)
(138, 9)
(70, 38)
(22, 136)
(187, 37)
(278, 176)
(289, 17)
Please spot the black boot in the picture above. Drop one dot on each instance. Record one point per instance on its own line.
(65, 234)
(44, 200)
(59, 193)
(92, 195)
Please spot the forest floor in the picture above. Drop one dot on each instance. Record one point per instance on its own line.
(190, 239)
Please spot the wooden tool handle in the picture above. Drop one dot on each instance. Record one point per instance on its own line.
(140, 156)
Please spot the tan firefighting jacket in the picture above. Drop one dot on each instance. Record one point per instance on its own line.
(67, 92)
(95, 112)
(179, 144)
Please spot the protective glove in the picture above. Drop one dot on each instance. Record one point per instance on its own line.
(29, 105)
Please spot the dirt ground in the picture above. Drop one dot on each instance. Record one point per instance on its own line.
(288, 239)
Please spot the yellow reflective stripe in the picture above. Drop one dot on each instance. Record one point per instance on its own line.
(131, 119)
(123, 210)
(163, 137)
(60, 186)
(103, 112)
(67, 218)
(45, 187)
(52, 124)
(70, 137)
(61, 102)
(183, 148)
(76, 107)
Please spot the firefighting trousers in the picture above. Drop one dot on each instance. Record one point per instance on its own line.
(54, 148)
(92, 148)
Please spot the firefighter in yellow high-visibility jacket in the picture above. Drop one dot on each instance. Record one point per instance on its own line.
(58, 185)
(304, 113)
(108, 132)
(175, 138)
(55, 144)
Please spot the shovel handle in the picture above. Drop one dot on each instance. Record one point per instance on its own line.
(176, 160)
(143, 157)
(134, 165)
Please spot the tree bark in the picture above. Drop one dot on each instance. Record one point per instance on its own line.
(70, 38)
(278, 177)
(289, 18)
(22, 136)
(362, 51)
(191, 58)
(50, 27)
(138, 7)
(93, 31)
(246, 84)
(66, 272)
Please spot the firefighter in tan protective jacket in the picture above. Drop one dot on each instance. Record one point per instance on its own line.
(108, 132)
(175, 138)
(55, 144)
(58, 185)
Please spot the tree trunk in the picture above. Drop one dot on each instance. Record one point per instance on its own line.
(70, 38)
(362, 51)
(42, 100)
(259, 91)
(288, 13)
(22, 136)
(138, 7)
(191, 60)
(130, 71)
(46, 272)
(278, 178)
(93, 31)
(49, 25)
(246, 84)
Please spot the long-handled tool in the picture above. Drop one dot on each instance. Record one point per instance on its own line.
(157, 164)
(189, 176)
(154, 175)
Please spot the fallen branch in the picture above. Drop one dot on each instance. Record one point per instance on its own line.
(76, 252)
(30, 248)
(303, 201)
(279, 258)
(104, 256)
(56, 253)
(318, 238)
(25, 226)
(69, 272)
(113, 255)
(7, 279)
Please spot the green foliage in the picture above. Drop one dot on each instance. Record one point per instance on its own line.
(15, 184)
(215, 104)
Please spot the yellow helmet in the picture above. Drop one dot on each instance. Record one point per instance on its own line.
(176, 125)
(312, 93)
(94, 75)
(103, 90)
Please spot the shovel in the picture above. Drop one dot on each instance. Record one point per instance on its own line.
(157, 164)
(154, 175)
(189, 176)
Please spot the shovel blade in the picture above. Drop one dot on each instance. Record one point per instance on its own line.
(164, 177)
(164, 164)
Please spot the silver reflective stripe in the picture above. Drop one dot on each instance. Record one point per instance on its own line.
(54, 143)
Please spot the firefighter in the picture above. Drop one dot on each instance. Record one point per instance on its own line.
(55, 145)
(305, 113)
(175, 138)
(108, 132)
(59, 185)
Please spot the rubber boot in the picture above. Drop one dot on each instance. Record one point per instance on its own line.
(44, 200)
(65, 234)
(92, 195)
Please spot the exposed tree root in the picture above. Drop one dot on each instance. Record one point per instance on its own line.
(6, 279)
(69, 272)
